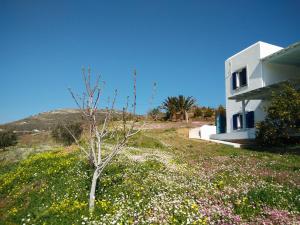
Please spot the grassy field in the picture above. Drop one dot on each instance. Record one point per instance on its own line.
(161, 178)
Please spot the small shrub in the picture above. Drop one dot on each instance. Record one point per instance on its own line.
(208, 113)
(198, 112)
(7, 138)
(204, 112)
(155, 114)
(62, 134)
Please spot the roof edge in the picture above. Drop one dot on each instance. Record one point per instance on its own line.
(282, 51)
(245, 49)
(251, 46)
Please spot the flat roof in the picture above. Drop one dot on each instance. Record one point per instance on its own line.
(251, 46)
(264, 92)
(287, 56)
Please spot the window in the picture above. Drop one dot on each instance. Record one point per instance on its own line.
(237, 120)
(239, 78)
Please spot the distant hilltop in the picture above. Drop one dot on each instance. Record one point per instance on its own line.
(47, 120)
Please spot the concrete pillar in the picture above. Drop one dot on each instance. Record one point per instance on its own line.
(244, 114)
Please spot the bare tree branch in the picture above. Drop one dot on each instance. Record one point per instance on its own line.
(75, 139)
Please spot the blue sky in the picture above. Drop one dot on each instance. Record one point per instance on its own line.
(181, 45)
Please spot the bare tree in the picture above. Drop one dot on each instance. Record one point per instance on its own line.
(98, 133)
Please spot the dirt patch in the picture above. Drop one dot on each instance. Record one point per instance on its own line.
(170, 125)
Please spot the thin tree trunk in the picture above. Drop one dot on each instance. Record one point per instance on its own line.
(173, 117)
(186, 116)
(93, 191)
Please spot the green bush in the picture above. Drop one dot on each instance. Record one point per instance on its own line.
(7, 138)
(155, 114)
(283, 116)
(208, 113)
(203, 112)
(198, 112)
(63, 133)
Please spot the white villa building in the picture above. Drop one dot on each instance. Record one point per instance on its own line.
(250, 78)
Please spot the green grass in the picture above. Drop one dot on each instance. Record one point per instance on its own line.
(165, 178)
(143, 141)
(269, 195)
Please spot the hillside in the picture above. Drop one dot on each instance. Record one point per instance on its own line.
(46, 120)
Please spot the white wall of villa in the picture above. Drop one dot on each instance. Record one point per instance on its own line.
(251, 59)
(274, 73)
(259, 73)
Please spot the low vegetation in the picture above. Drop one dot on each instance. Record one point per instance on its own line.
(62, 133)
(161, 178)
(155, 114)
(7, 138)
(204, 113)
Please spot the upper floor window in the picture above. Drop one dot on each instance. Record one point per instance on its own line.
(239, 78)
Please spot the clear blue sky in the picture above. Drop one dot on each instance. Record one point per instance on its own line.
(181, 45)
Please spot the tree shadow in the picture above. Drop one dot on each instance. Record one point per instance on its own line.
(286, 149)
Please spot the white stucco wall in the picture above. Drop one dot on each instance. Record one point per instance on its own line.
(204, 132)
(194, 133)
(274, 73)
(267, 49)
(251, 59)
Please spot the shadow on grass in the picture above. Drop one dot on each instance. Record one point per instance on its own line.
(288, 149)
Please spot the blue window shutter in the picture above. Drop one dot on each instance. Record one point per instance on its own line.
(234, 81)
(241, 120)
(250, 119)
(234, 121)
(243, 77)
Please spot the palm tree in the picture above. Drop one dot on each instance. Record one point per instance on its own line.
(170, 105)
(178, 104)
(184, 104)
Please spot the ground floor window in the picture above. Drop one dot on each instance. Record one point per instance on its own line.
(238, 120)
